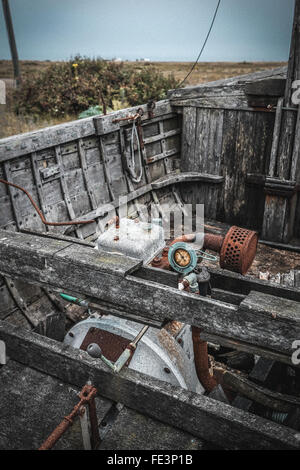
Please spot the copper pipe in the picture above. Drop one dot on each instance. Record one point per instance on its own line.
(202, 361)
(87, 396)
(189, 238)
(213, 242)
(45, 222)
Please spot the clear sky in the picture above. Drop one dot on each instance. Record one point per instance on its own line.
(251, 30)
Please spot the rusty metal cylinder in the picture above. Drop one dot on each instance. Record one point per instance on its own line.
(213, 242)
(202, 361)
(238, 249)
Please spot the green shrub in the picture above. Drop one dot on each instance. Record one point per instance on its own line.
(69, 88)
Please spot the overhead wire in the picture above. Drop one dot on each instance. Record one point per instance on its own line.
(203, 46)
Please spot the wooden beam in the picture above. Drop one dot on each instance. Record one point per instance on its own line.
(234, 282)
(111, 122)
(184, 177)
(110, 278)
(224, 87)
(199, 415)
(266, 87)
(279, 217)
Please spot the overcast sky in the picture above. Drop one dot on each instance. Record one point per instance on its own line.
(251, 30)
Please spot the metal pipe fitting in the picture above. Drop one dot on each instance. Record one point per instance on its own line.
(202, 361)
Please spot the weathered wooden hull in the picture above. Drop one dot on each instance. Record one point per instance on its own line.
(202, 146)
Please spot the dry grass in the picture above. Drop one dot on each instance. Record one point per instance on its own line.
(26, 66)
(211, 71)
(10, 124)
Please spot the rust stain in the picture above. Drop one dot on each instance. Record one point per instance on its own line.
(111, 345)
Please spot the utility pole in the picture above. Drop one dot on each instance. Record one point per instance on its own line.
(11, 39)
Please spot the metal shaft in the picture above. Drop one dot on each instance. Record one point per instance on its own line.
(139, 335)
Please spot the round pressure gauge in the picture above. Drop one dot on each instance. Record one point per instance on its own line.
(182, 257)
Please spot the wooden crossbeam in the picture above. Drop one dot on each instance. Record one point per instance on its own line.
(110, 279)
(199, 415)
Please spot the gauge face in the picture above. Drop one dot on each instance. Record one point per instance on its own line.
(182, 257)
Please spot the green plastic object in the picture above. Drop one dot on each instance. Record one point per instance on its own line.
(91, 111)
(74, 300)
(69, 298)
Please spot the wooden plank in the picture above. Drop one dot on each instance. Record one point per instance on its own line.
(293, 72)
(245, 347)
(42, 250)
(274, 400)
(105, 169)
(20, 302)
(266, 87)
(279, 209)
(218, 103)
(173, 178)
(82, 156)
(104, 277)
(234, 282)
(38, 183)
(131, 431)
(163, 145)
(105, 124)
(266, 372)
(65, 191)
(295, 167)
(161, 135)
(281, 246)
(269, 305)
(88, 187)
(165, 154)
(162, 276)
(276, 134)
(189, 125)
(225, 86)
(12, 192)
(58, 236)
(197, 414)
(226, 296)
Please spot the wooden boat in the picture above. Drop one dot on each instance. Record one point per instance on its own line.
(232, 145)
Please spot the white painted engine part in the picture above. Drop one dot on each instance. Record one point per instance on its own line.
(158, 354)
(136, 239)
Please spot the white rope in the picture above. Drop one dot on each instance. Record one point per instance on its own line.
(135, 178)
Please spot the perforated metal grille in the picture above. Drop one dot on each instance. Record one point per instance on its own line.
(238, 249)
